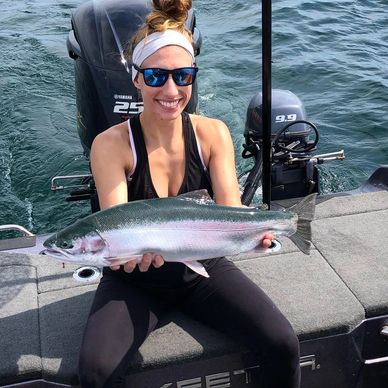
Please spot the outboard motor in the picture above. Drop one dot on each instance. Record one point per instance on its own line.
(105, 94)
(294, 169)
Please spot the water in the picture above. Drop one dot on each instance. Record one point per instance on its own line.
(333, 55)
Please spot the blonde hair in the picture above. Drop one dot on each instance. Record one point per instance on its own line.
(167, 14)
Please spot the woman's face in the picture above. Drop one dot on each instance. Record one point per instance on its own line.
(168, 101)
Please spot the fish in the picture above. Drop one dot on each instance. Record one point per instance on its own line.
(186, 228)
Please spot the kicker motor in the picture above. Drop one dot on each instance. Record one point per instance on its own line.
(294, 169)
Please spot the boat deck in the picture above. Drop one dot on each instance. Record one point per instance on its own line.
(330, 292)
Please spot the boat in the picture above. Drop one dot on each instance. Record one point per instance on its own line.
(336, 298)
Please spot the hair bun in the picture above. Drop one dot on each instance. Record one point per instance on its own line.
(174, 10)
(167, 14)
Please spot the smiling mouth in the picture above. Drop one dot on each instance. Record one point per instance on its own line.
(169, 104)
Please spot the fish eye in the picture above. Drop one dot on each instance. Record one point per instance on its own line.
(66, 245)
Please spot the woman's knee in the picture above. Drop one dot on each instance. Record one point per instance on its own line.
(278, 342)
(284, 347)
(289, 346)
(88, 377)
(93, 373)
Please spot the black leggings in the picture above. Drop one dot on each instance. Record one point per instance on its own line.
(123, 315)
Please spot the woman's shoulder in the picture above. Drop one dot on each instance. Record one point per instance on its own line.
(112, 146)
(114, 136)
(207, 127)
(204, 122)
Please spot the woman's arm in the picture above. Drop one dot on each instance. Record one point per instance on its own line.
(108, 169)
(223, 172)
(222, 166)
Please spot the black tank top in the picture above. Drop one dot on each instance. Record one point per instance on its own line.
(195, 177)
(141, 187)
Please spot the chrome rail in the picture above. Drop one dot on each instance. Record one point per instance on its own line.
(27, 239)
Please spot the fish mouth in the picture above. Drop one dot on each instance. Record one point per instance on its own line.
(58, 253)
(77, 248)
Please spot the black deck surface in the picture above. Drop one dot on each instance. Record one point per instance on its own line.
(43, 309)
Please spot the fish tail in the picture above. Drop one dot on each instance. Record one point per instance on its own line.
(305, 210)
(197, 267)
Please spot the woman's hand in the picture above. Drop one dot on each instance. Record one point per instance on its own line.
(146, 261)
(267, 240)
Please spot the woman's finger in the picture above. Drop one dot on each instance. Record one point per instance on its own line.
(267, 240)
(266, 243)
(158, 261)
(146, 261)
(130, 266)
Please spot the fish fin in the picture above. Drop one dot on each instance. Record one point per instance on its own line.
(197, 267)
(305, 210)
(198, 196)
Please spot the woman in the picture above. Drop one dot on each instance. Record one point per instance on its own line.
(166, 152)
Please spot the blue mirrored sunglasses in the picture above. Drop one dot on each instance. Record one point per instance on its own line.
(156, 77)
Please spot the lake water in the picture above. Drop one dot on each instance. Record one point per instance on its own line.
(332, 55)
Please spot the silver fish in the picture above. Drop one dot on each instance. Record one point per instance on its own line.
(186, 229)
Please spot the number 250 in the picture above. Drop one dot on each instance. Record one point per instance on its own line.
(126, 107)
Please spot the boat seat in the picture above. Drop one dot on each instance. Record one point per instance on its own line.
(43, 310)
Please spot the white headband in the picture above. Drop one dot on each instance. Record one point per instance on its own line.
(154, 42)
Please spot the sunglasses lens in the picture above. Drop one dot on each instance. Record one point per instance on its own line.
(184, 76)
(155, 77)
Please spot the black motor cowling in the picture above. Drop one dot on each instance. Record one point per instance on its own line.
(105, 94)
(294, 171)
(286, 108)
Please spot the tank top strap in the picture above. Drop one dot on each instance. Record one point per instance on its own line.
(133, 148)
(140, 186)
(191, 135)
(197, 175)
